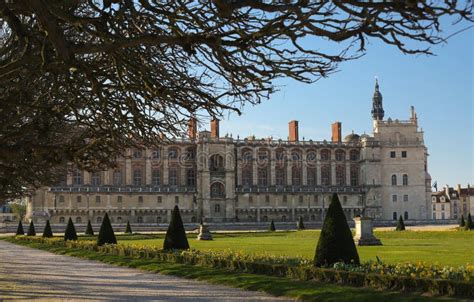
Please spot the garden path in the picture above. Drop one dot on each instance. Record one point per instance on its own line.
(27, 273)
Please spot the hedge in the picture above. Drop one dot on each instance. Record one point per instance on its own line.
(435, 287)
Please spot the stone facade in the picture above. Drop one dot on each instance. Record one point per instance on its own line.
(225, 179)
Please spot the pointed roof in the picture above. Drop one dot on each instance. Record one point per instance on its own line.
(377, 106)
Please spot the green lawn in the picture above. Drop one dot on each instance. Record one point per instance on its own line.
(451, 248)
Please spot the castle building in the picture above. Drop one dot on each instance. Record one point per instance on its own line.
(225, 179)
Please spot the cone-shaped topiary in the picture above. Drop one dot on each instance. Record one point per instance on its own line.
(47, 232)
(70, 233)
(300, 224)
(106, 233)
(271, 227)
(400, 224)
(462, 223)
(176, 235)
(469, 225)
(128, 229)
(19, 229)
(89, 229)
(31, 230)
(335, 242)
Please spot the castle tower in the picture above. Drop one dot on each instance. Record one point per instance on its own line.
(377, 106)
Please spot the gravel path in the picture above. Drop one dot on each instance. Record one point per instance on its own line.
(27, 273)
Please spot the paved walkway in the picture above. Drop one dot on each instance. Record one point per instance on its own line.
(27, 273)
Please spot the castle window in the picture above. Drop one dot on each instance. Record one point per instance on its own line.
(137, 154)
(95, 179)
(296, 176)
(280, 155)
(78, 198)
(405, 179)
(99, 219)
(325, 154)
(191, 177)
(285, 198)
(325, 175)
(97, 199)
(340, 175)
(354, 155)
(61, 220)
(280, 176)
(301, 199)
(344, 199)
(155, 154)
(265, 218)
(442, 207)
(77, 177)
(340, 155)
(283, 218)
(405, 215)
(247, 175)
(311, 176)
(250, 199)
(404, 154)
(316, 198)
(140, 199)
(61, 198)
(158, 219)
(155, 177)
(117, 177)
(119, 219)
(262, 176)
(262, 156)
(78, 220)
(394, 180)
(313, 217)
(140, 219)
(216, 162)
(311, 157)
(267, 198)
(393, 154)
(137, 177)
(159, 199)
(217, 190)
(405, 197)
(173, 176)
(217, 208)
(176, 199)
(354, 176)
(119, 199)
(172, 153)
(190, 153)
(394, 198)
(394, 216)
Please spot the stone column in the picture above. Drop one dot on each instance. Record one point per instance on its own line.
(128, 172)
(165, 167)
(364, 232)
(348, 173)
(254, 167)
(147, 167)
(333, 173)
(304, 181)
(272, 167)
(318, 173)
(288, 168)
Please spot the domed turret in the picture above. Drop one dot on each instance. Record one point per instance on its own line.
(352, 138)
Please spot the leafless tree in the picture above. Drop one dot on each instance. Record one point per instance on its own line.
(81, 80)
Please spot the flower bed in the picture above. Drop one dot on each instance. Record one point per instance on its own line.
(440, 281)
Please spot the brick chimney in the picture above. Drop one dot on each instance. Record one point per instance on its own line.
(214, 128)
(293, 131)
(192, 128)
(336, 132)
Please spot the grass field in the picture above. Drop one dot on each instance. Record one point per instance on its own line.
(451, 248)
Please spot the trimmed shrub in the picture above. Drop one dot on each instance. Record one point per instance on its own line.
(19, 229)
(462, 223)
(31, 230)
(271, 227)
(400, 224)
(469, 225)
(300, 224)
(89, 229)
(106, 233)
(128, 229)
(335, 242)
(70, 233)
(47, 232)
(176, 235)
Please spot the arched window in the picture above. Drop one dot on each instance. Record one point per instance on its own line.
(247, 155)
(280, 155)
(216, 162)
(311, 157)
(405, 179)
(137, 154)
(61, 220)
(99, 219)
(325, 154)
(280, 176)
(77, 177)
(78, 220)
(137, 177)
(354, 155)
(262, 156)
(173, 153)
(95, 179)
(340, 155)
(394, 180)
(217, 208)
(262, 176)
(191, 177)
(190, 153)
(173, 176)
(217, 190)
(155, 177)
(325, 175)
(140, 219)
(155, 154)
(117, 177)
(340, 175)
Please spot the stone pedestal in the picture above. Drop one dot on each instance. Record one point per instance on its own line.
(204, 233)
(364, 232)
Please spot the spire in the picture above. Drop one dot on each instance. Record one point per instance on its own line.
(377, 107)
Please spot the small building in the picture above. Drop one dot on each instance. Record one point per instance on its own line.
(466, 199)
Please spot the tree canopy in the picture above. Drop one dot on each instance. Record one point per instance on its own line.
(82, 80)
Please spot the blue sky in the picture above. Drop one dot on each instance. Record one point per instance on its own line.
(440, 87)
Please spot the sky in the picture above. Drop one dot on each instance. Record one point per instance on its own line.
(440, 87)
